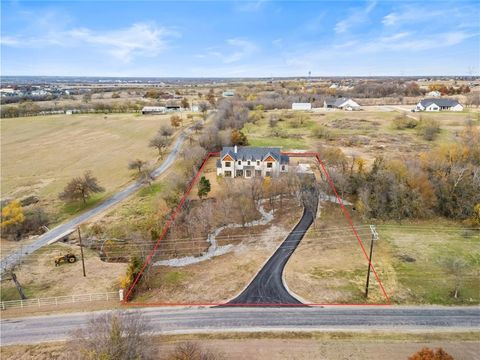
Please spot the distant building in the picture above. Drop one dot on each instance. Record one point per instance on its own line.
(301, 106)
(153, 110)
(249, 162)
(434, 93)
(228, 93)
(439, 105)
(341, 103)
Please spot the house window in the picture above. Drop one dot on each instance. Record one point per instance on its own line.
(248, 173)
(239, 173)
(248, 162)
(268, 173)
(269, 165)
(283, 167)
(227, 164)
(228, 173)
(258, 163)
(258, 173)
(239, 162)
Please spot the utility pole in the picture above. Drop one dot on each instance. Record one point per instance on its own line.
(374, 238)
(81, 250)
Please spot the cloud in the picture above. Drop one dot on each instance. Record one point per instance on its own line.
(139, 39)
(405, 41)
(249, 6)
(240, 49)
(356, 17)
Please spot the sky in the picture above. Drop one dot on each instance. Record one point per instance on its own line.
(239, 39)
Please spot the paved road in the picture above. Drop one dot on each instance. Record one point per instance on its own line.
(197, 320)
(65, 228)
(267, 287)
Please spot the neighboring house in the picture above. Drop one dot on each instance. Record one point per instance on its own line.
(439, 105)
(228, 93)
(153, 110)
(249, 162)
(301, 106)
(341, 103)
(434, 93)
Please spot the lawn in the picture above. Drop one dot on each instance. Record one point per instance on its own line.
(41, 154)
(329, 266)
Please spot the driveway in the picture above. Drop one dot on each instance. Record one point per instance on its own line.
(65, 228)
(267, 287)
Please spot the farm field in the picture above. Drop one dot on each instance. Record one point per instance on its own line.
(41, 154)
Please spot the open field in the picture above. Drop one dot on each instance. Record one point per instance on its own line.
(365, 133)
(41, 154)
(410, 259)
(40, 277)
(286, 345)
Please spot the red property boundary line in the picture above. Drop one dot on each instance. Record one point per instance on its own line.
(178, 208)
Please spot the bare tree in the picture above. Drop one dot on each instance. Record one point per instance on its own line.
(197, 126)
(455, 267)
(113, 335)
(137, 165)
(159, 142)
(166, 131)
(81, 188)
(203, 106)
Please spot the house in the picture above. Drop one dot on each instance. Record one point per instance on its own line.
(249, 162)
(341, 103)
(301, 106)
(434, 93)
(153, 110)
(438, 105)
(228, 93)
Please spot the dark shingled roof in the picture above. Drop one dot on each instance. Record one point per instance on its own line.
(253, 153)
(439, 102)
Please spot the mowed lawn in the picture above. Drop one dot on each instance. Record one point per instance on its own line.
(41, 154)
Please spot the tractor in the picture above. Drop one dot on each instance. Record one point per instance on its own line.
(70, 258)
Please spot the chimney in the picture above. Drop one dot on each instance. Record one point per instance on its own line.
(235, 149)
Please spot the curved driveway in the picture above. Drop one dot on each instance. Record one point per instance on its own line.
(65, 228)
(267, 287)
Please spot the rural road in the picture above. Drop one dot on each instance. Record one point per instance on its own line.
(267, 287)
(66, 228)
(38, 329)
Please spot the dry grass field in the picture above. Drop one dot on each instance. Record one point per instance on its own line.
(367, 133)
(40, 278)
(288, 345)
(329, 265)
(41, 154)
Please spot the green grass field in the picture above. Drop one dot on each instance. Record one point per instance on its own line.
(41, 154)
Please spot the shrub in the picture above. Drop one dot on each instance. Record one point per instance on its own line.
(322, 132)
(429, 129)
(192, 351)
(404, 122)
(429, 354)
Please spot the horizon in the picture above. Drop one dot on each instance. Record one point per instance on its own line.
(231, 39)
